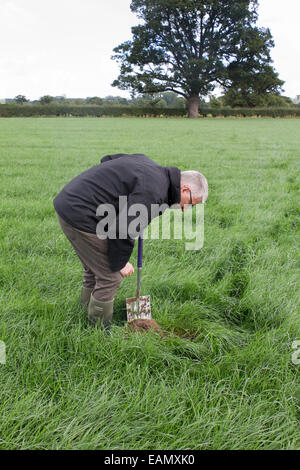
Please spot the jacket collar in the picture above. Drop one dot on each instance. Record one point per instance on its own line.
(174, 193)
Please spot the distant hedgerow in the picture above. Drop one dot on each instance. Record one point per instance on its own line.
(28, 110)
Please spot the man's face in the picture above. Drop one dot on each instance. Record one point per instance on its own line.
(187, 197)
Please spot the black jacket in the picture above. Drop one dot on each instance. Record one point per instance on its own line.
(136, 176)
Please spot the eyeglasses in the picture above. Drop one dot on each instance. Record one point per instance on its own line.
(190, 203)
(191, 200)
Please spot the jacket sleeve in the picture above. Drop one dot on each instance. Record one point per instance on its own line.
(121, 243)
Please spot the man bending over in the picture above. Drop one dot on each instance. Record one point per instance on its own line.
(106, 261)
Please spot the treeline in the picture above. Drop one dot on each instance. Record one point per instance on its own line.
(166, 100)
(161, 100)
(60, 110)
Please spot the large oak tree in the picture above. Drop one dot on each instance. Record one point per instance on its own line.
(193, 46)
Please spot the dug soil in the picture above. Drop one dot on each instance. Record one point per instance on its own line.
(143, 325)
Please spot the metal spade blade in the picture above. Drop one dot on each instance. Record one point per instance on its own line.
(139, 307)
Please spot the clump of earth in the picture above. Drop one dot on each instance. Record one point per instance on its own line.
(143, 325)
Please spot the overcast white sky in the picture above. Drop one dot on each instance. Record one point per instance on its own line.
(61, 47)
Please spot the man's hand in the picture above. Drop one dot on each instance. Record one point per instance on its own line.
(127, 271)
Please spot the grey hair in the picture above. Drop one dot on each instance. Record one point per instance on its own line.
(197, 183)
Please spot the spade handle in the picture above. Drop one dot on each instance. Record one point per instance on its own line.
(140, 252)
(140, 265)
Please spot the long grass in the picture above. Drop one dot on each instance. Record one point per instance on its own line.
(222, 378)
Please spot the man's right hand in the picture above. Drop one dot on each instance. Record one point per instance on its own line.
(127, 271)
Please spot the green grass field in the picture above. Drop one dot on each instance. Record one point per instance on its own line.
(223, 378)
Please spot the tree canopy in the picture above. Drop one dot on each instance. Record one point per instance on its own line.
(20, 99)
(46, 99)
(191, 47)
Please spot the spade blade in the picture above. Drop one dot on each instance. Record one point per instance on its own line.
(138, 307)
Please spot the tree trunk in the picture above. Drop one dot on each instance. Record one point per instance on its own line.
(193, 103)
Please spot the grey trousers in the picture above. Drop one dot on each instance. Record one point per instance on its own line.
(92, 253)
